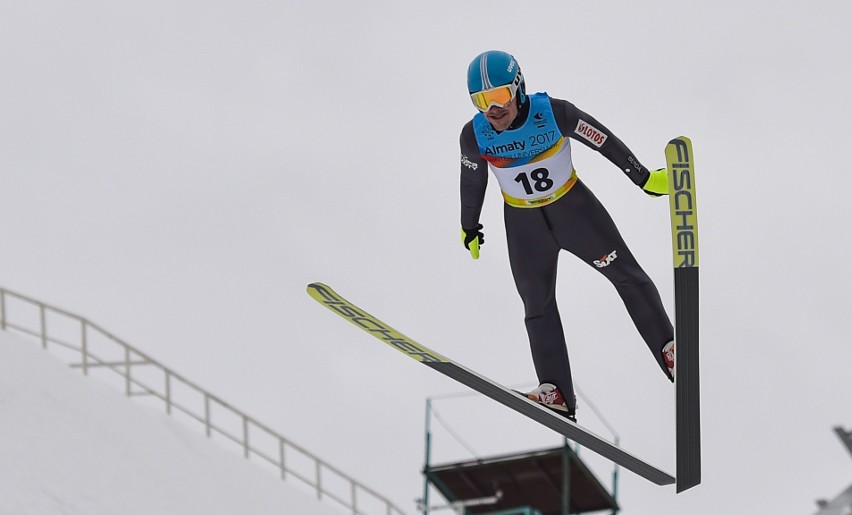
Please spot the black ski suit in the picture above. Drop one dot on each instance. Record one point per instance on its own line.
(575, 221)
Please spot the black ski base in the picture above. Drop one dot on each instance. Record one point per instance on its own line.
(687, 380)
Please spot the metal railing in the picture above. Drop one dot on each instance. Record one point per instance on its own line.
(91, 348)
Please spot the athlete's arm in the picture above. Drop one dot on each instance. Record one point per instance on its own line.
(585, 129)
(474, 178)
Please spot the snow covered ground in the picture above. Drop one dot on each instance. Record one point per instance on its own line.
(71, 445)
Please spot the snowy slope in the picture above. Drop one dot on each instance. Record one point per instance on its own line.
(71, 445)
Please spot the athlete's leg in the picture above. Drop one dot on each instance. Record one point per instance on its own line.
(584, 227)
(533, 255)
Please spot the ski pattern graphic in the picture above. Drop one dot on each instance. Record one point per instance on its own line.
(684, 223)
(340, 306)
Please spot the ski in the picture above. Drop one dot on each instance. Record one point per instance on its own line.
(684, 221)
(519, 403)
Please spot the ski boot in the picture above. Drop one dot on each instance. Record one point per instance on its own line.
(550, 397)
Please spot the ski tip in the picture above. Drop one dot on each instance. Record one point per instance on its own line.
(321, 292)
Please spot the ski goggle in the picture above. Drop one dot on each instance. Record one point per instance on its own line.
(501, 96)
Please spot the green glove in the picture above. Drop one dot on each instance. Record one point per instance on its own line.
(472, 239)
(657, 183)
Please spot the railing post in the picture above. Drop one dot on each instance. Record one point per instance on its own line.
(3, 309)
(207, 414)
(84, 347)
(246, 445)
(428, 455)
(168, 391)
(281, 455)
(352, 487)
(127, 384)
(319, 480)
(43, 324)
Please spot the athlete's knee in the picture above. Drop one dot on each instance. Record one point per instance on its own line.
(538, 305)
(633, 281)
(535, 293)
(627, 274)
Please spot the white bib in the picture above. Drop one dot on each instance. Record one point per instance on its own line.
(541, 181)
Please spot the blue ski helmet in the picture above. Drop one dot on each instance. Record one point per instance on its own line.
(494, 68)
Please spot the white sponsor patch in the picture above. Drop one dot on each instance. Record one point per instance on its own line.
(606, 260)
(468, 163)
(590, 134)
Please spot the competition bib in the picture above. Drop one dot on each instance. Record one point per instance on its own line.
(532, 163)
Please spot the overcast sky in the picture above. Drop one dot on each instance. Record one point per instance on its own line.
(178, 172)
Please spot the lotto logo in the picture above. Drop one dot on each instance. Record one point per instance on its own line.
(606, 259)
(590, 134)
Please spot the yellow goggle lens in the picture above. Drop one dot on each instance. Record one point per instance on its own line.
(499, 96)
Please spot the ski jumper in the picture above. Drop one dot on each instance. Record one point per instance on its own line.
(546, 209)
